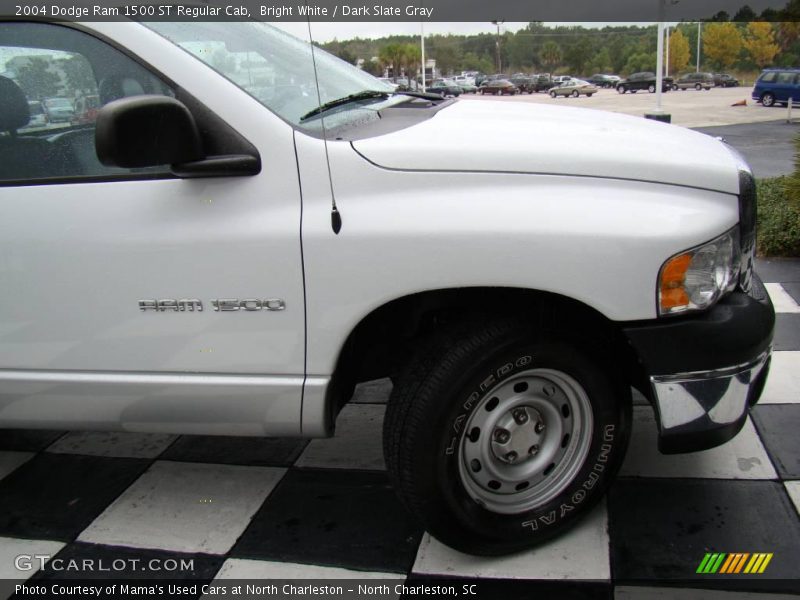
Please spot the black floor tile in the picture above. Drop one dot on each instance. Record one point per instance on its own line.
(271, 452)
(96, 561)
(56, 496)
(778, 270)
(779, 428)
(27, 440)
(793, 289)
(341, 518)
(661, 529)
(787, 332)
(510, 589)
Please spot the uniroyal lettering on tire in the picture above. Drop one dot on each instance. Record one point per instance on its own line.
(468, 437)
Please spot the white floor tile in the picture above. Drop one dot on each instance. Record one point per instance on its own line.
(783, 381)
(373, 392)
(781, 299)
(118, 444)
(185, 507)
(743, 457)
(793, 487)
(238, 568)
(358, 442)
(581, 553)
(9, 461)
(11, 548)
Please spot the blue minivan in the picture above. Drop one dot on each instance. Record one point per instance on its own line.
(776, 86)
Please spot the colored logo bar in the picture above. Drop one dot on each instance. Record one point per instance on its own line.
(734, 563)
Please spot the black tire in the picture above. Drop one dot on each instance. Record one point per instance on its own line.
(621, 89)
(589, 95)
(651, 88)
(553, 95)
(437, 395)
(768, 99)
(698, 86)
(576, 94)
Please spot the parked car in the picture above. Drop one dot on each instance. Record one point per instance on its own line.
(643, 81)
(464, 80)
(694, 81)
(543, 83)
(467, 88)
(86, 110)
(515, 270)
(559, 79)
(574, 88)
(777, 86)
(524, 83)
(38, 116)
(604, 81)
(59, 110)
(725, 80)
(445, 87)
(500, 87)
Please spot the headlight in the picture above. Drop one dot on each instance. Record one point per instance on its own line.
(697, 278)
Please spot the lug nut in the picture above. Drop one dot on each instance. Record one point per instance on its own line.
(539, 428)
(501, 436)
(511, 456)
(534, 450)
(520, 416)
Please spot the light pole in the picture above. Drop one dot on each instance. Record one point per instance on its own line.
(699, 33)
(497, 45)
(422, 50)
(666, 59)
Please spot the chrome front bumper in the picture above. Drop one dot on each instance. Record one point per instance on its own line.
(703, 409)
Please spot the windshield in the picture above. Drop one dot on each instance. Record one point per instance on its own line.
(58, 103)
(272, 66)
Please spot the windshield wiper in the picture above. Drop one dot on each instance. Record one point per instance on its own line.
(365, 95)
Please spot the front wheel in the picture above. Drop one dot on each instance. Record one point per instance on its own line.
(500, 439)
(651, 88)
(768, 99)
(552, 94)
(576, 94)
(621, 89)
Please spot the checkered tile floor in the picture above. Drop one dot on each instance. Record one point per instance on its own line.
(274, 508)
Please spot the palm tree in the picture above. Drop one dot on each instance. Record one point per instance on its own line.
(391, 55)
(413, 59)
(550, 54)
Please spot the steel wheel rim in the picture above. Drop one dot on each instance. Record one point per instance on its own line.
(555, 431)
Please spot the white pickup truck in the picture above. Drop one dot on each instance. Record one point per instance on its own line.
(246, 228)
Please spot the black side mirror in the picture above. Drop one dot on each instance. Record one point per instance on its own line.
(148, 131)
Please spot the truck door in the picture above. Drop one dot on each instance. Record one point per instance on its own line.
(131, 297)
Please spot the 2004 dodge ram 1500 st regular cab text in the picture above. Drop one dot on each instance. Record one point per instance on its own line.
(249, 228)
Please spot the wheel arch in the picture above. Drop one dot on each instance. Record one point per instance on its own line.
(385, 338)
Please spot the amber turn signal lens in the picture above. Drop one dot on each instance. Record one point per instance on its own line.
(673, 276)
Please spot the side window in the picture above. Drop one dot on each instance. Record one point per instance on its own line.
(786, 78)
(768, 77)
(53, 80)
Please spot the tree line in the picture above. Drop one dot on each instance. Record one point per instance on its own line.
(743, 43)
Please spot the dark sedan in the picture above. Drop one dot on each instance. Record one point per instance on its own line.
(445, 87)
(498, 87)
(725, 80)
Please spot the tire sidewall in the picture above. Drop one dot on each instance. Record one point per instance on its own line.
(453, 512)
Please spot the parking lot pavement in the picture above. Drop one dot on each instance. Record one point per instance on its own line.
(688, 108)
(277, 508)
(768, 146)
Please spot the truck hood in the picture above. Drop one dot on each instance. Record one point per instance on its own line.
(516, 137)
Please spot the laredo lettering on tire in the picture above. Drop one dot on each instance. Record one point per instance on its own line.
(500, 439)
